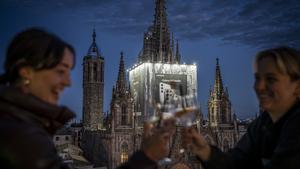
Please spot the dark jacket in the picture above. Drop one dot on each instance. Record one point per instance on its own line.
(27, 125)
(266, 145)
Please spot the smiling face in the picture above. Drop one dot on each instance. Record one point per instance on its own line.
(275, 90)
(47, 84)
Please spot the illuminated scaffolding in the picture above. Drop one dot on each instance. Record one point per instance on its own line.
(153, 83)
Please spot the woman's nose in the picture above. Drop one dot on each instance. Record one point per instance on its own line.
(259, 85)
(67, 81)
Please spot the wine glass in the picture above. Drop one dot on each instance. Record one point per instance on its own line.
(183, 109)
(186, 113)
(158, 115)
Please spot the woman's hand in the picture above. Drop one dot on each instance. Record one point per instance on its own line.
(195, 142)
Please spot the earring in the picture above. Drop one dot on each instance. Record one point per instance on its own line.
(26, 82)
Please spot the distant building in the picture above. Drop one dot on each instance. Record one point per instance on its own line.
(77, 129)
(243, 125)
(112, 145)
(66, 143)
(63, 136)
(222, 129)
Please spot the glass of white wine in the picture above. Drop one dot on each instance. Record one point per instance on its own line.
(181, 108)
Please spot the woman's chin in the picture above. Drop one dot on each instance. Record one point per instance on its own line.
(53, 101)
(265, 107)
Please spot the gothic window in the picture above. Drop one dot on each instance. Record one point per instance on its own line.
(223, 117)
(124, 152)
(217, 114)
(228, 113)
(123, 115)
(95, 71)
(212, 115)
(102, 73)
(88, 72)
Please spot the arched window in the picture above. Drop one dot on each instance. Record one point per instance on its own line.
(124, 152)
(95, 72)
(88, 72)
(223, 117)
(212, 119)
(124, 115)
(101, 72)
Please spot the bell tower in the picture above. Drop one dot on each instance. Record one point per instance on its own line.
(93, 84)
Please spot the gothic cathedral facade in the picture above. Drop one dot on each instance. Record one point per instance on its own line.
(109, 139)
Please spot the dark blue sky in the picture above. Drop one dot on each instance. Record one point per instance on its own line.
(231, 30)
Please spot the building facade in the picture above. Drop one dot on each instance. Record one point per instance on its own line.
(222, 128)
(109, 140)
(112, 145)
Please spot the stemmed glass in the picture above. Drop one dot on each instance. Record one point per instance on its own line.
(187, 116)
(181, 108)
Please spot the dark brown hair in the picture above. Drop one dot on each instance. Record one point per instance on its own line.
(33, 47)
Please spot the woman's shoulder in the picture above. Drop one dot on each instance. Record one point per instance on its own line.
(290, 133)
(292, 124)
(26, 145)
(259, 122)
(19, 126)
(17, 123)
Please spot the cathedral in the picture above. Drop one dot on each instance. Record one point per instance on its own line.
(109, 139)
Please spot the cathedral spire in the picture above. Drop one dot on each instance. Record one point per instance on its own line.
(94, 35)
(161, 32)
(219, 105)
(172, 47)
(158, 46)
(218, 86)
(178, 56)
(160, 16)
(93, 50)
(121, 83)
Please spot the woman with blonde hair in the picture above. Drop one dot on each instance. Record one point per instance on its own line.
(272, 140)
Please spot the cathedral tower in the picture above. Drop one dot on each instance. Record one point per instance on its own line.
(122, 102)
(219, 106)
(157, 46)
(122, 122)
(93, 83)
(159, 72)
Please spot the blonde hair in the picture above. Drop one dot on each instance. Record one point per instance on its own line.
(287, 60)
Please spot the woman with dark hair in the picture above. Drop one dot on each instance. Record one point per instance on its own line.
(37, 69)
(272, 140)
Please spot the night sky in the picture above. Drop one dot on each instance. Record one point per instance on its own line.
(231, 30)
